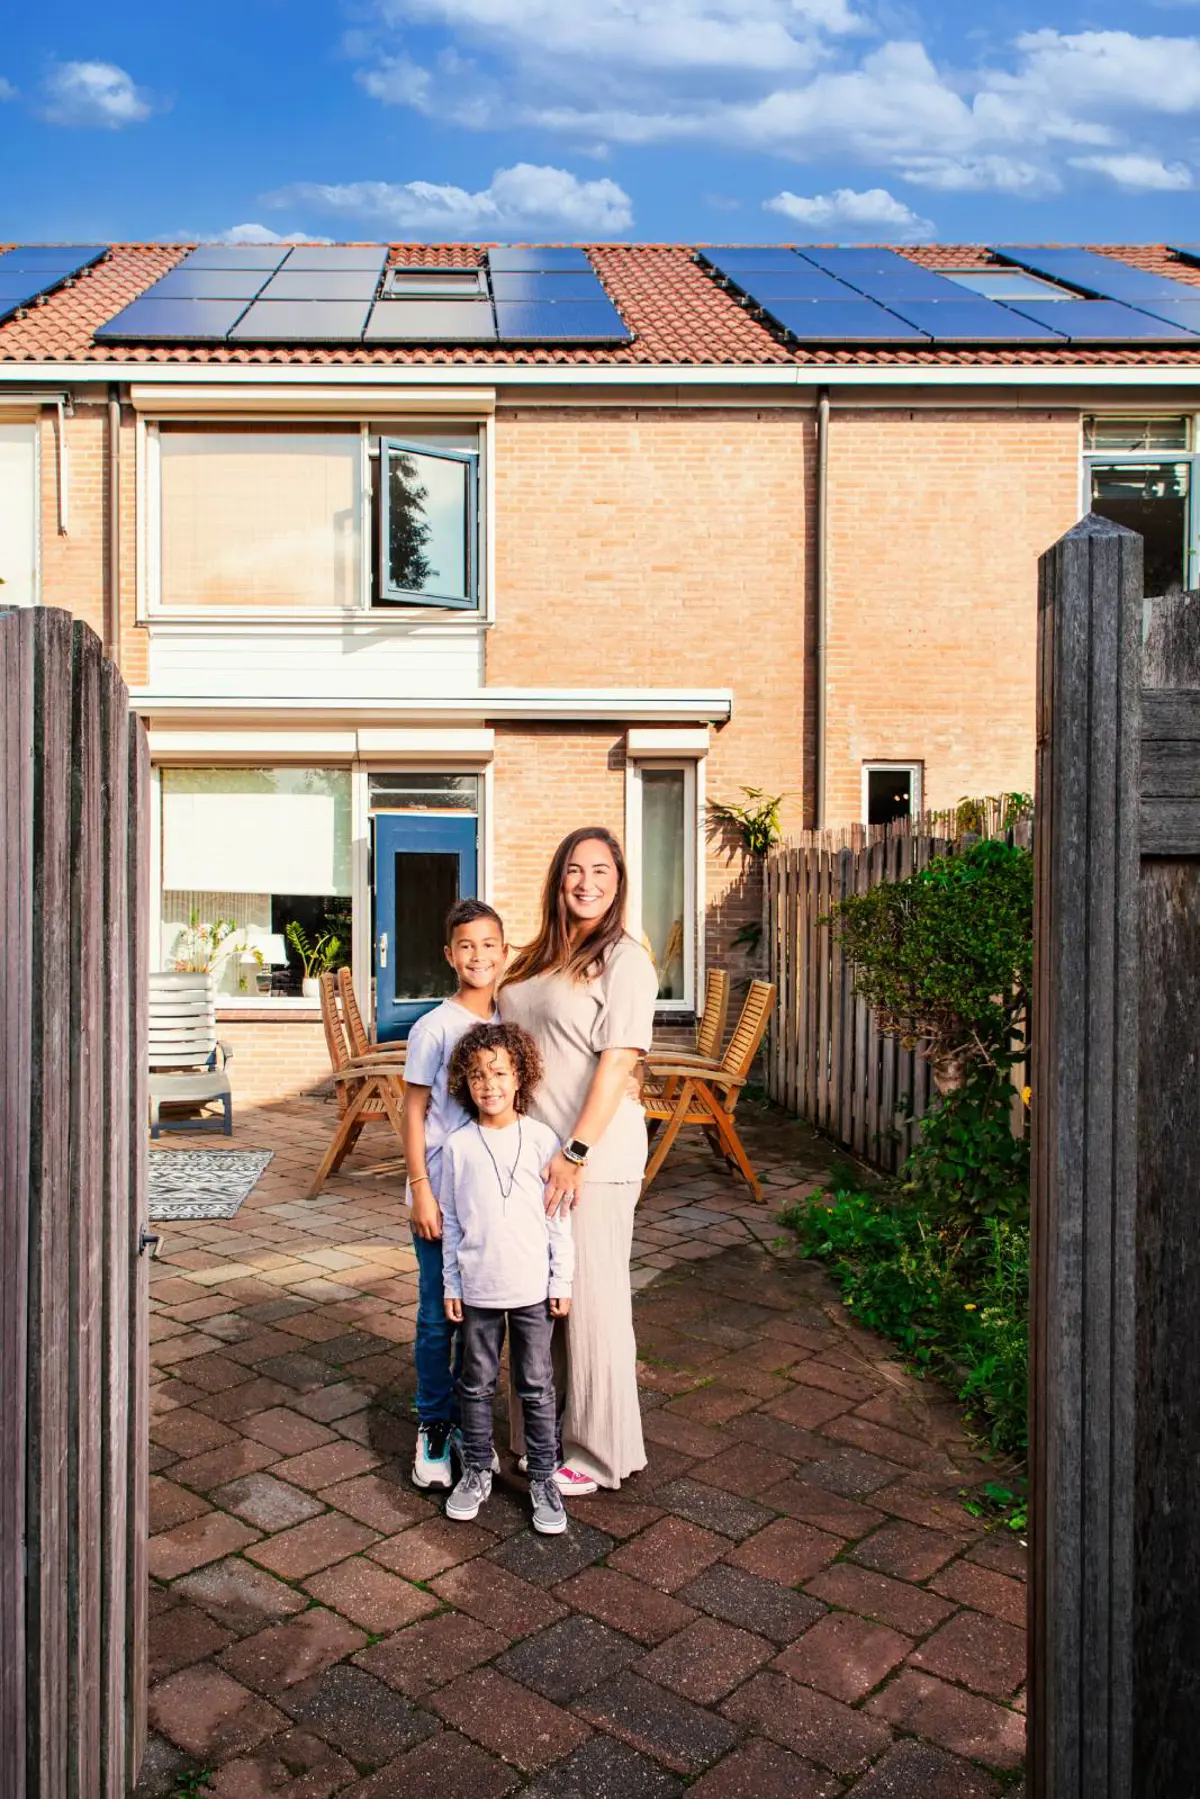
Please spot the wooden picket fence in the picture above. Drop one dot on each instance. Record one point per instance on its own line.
(825, 1058)
(73, 1296)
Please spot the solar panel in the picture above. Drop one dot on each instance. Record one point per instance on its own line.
(885, 281)
(800, 281)
(543, 260)
(173, 321)
(536, 285)
(316, 284)
(301, 321)
(52, 256)
(236, 256)
(185, 283)
(19, 286)
(568, 321)
(431, 321)
(333, 258)
(750, 259)
(1100, 321)
(1189, 253)
(1103, 276)
(973, 322)
(851, 320)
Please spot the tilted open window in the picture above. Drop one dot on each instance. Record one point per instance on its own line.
(428, 525)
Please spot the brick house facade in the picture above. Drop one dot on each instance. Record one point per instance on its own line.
(645, 637)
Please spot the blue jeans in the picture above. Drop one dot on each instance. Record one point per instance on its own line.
(529, 1331)
(437, 1350)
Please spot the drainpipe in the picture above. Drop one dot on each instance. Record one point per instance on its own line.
(821, 553)
(112, 595)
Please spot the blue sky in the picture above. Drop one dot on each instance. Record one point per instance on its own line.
(681, 120)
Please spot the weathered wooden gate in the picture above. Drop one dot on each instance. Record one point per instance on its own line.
(73, 1302)
(1115, 1354)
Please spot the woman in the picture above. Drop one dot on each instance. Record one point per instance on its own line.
(585, 991)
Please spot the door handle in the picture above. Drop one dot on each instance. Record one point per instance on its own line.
(383, 949)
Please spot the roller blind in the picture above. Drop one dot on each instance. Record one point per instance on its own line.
(18, 514)
(256, 830)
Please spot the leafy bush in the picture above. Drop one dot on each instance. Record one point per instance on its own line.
(967, 1164)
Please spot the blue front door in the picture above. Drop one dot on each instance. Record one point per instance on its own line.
(423, 865)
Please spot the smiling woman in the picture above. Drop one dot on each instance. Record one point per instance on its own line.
(585, 991)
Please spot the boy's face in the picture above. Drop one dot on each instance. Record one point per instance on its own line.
(476, 953)
(492, 1080)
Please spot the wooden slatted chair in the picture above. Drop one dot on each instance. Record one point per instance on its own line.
(356, 1031)
(690, 1092)
(710, 1032)
(370, 1089)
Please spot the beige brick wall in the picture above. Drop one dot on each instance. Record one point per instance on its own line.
(272, 1059)
(937, 520)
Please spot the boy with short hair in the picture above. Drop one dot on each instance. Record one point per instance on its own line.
(476, 950)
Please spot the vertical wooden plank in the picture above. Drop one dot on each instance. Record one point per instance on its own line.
(114, 1036)
(861, 1025)
(872, 1109)
(837, 1001)
(889, 1048)
(16, 933)
(812, 997)
(138, 1341)
(88, 951)
(799, 1010)
(48, 1635)
(1082, 1448)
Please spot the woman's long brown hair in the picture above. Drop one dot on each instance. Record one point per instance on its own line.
(551, 948)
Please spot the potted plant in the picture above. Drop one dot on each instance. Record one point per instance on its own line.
(317, 955)
(197, 949)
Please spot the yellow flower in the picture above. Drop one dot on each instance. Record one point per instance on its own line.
(970, 1308)
(1027, 1094)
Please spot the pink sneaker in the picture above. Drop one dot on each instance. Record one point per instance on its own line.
(567, 1479)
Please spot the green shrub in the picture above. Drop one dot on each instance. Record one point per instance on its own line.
(967, 1164)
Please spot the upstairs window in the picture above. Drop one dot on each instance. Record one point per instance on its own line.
(1139, 472)
(428, 528)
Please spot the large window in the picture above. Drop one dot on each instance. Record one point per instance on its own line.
(18, 514)
(1139, 473)
(256, 875)
(310, 520)
(662, 837)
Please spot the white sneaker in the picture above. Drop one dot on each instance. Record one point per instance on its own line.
(566, 1478)
(470, 1493)
(431, 1465)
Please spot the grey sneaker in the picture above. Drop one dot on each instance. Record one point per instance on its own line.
(549, 1513)
(470, 1493)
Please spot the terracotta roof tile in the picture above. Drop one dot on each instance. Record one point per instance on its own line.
(677, 312)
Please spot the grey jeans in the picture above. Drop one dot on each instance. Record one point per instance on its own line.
(530, 1329)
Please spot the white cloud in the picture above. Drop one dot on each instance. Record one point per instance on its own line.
(1139, 174)
(262, 234)
(521, 198)
(93, 94)
(863, 214)
(7, 90)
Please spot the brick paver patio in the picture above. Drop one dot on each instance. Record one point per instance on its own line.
(788, 1603)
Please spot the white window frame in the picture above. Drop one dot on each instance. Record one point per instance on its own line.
(1090, 459)
(693, 770)
(32, 424)
(149, 551)
(916, 788)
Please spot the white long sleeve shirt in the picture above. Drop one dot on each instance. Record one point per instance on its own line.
(500, 1252)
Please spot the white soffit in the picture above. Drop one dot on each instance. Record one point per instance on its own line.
(641, 744)
(304, 397)
(268, 743)
(549, 704)
(446, 746)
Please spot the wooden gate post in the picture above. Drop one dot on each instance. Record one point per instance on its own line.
(1084, 1053)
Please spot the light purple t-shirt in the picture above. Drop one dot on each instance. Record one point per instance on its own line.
(431, 1043)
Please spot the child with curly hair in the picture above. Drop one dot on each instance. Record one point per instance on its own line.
(505, 1263)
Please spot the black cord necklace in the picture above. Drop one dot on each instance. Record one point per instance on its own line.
(505, 1192)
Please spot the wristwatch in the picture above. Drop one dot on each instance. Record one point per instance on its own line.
(576, 1151)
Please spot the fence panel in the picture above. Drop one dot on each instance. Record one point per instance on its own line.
(73, 910)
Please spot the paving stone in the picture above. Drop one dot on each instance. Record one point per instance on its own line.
(764, 1770)
(446, 1766)
(547, 1560)
(934, 1507)
(891, 1445)
(788, 1440)
(747, 1469)
(984, 1590)
(358, 1714)
(200, 1540)
(296, 1763)
(969, 1726)
(669, 1554)
(658, 1723)
(190, 1433)
(317, 1468)
(253, 1396)
(213, 1373)
(786, 1551)
(824, 1510)
(815, 1726)
(853, 1474)
(370, 1596)
(809, 1407)
(1004, 1554)
(919, 1771)
(907, 1551)
(205, 1712)
(714, 1404)
(617, 1515)
(286, 1430)
(639, 1611)
(182, 1635)
(430, 1548)
(171, 1505)
(713, 1508)
(573, 1655)
(844, 1656)
(521, 1727)
(163, 1768)
(976, 1651)
(218, 1466)
(755, 1604)
(267, 1503)
(498, 1598)
(910, 1609)
(318, 1543)
(239, 1596)
(604, 1768)
(821, 1371)
(303, 1373)
(335, 1401)
(378, 1501)
(706, 1661)
(664, 1428)
(433, 1653)
(285, 1654)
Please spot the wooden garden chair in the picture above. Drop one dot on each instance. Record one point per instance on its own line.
(685, 1092)
(361, 1044)
(710, 1032)
(370, 1090)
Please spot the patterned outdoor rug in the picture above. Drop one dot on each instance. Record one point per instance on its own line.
(202, 1183)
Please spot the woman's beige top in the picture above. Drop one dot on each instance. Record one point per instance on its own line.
(572, 1022)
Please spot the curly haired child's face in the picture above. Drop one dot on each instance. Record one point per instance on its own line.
(492, 1080)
